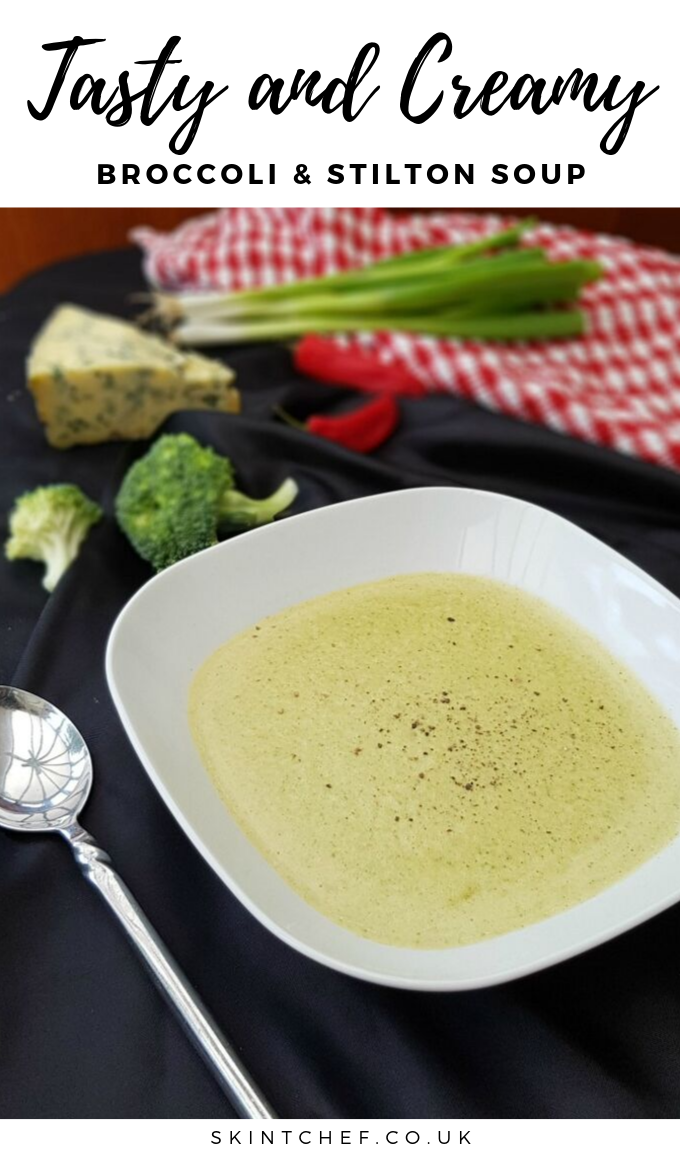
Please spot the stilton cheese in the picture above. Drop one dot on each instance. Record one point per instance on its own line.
(97, 378)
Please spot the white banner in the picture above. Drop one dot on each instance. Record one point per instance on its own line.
(368, 102)
(220, 1135)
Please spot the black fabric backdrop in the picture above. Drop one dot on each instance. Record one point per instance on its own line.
(83, 1032)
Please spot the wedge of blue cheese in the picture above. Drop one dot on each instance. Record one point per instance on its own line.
(96, 378)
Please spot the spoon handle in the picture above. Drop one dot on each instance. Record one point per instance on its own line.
(201, 1028)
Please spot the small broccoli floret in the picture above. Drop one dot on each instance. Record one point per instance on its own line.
(238, 511)
(49, 524)
(180, 496)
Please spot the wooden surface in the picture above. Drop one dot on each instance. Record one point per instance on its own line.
(33, 237)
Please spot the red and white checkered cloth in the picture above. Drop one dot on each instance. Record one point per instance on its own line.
(619, 386)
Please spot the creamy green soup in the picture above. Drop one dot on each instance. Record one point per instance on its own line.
(431, 760)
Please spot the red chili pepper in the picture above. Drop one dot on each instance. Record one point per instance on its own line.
(363, 429)
(325, 360)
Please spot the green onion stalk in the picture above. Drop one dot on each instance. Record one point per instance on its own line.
(489, 290)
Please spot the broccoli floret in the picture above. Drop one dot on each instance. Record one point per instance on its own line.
(180, 496)
(167, 503)
(49, 524)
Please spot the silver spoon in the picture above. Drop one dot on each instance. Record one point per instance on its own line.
(45, 780)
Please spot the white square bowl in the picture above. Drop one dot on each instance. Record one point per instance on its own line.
(176, 620)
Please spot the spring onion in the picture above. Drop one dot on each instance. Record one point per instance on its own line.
(488, 290)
